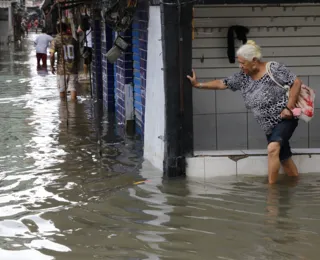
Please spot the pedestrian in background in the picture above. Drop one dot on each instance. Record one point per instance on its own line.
(67, 64)
(36, 24)
(87, 50)
(42, 43)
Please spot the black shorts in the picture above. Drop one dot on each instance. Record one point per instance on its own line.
(88, 52)
(282, 133)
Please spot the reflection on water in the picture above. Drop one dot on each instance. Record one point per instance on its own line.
(64, 195)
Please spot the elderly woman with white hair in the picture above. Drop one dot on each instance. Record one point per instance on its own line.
(269, 103)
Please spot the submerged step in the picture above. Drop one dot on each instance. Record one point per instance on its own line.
(223, 163)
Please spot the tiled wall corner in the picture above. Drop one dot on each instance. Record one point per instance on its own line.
(195, 167)
(219, 166)
(107, 69)
(139, 49)
(123, 75)
(97, 59)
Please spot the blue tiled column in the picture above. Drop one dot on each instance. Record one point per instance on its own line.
(97, 60)
(107, 71)
(123, 72)
(139, 49)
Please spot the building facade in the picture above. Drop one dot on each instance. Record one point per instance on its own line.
(225, 138)
(289, 34)
(8, 10)
(110, 81)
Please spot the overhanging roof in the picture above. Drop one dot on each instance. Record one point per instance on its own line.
(6, 3)
(275, 2)
(239, 2)
(45, 4)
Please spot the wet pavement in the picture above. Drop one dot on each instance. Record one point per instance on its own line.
(64, 195)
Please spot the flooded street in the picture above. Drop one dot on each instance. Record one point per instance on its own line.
(65, 196)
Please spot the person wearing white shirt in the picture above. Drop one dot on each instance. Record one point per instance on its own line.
(42, 43)
(87, 50)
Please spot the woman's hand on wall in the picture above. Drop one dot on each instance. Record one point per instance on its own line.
(193, 79)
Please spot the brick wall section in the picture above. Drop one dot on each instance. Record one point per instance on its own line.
(123, 73)
(93, 63)
(96, 60)
(103, 62)
(139, 48)
(107, 70)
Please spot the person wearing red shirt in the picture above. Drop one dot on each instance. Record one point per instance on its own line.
(36, 24)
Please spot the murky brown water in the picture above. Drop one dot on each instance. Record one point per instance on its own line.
(60, 200)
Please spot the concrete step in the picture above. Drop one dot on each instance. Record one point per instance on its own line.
(208, 164)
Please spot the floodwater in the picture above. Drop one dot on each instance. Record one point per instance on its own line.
(64, 195)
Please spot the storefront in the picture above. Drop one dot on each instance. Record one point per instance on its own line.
(227, 140)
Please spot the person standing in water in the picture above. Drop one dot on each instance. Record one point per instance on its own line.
(36, 24)
(42, 43)
(268, 102)
(67, 51)
(87, 50)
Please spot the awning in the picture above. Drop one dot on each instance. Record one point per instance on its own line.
(6, 3)
(45, 4)
(234, 2)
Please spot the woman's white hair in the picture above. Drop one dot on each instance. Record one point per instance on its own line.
(249, 51)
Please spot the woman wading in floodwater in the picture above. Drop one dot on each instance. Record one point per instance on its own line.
(269, 103)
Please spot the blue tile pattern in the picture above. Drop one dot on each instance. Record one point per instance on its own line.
(139, 49)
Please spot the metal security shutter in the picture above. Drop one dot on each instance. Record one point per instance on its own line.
(289, 34)
(6, 3)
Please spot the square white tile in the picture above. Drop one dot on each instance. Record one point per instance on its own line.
(306, 151)
(204, 132)
(219, 152)
(299, 138)
(255, 152)
(253, 165)
(195, 167)
(308, 164)
(230, 102)
(232, 131)
(219, 166)
(256, 137)
(203, 101)
(314, 133)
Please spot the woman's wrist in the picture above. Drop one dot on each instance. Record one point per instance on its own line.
(199, 85)
(287, 108)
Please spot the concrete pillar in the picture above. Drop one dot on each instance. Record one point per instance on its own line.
(10, 24)
(124, 73)
(176, 22)
(139, 49)
(107, 70)
(97, 58)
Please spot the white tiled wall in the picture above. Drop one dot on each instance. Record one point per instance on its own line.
(221, 121)
(232, 131)
(205, 132)
(314, 130)
(209, 167)
(227, 125)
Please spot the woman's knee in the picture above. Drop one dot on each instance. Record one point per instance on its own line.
(274, 148)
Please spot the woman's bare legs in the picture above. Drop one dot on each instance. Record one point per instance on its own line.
(290, 168)
(273, 161)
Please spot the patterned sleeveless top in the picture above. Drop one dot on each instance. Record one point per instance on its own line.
(264, 97)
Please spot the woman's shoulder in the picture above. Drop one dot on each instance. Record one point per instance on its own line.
(282, 73)
(278, 67)
(275, 64)
(240, 75)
